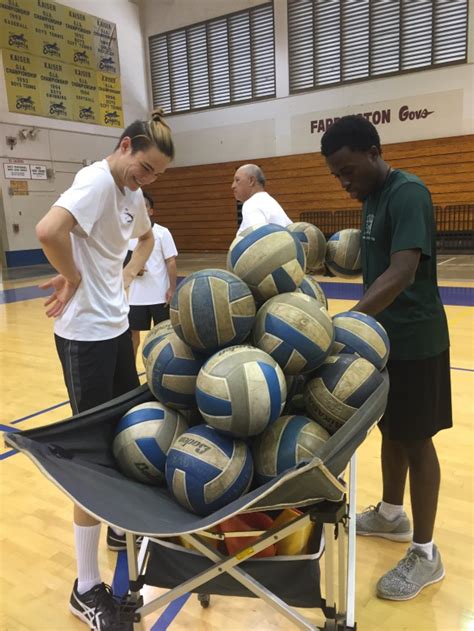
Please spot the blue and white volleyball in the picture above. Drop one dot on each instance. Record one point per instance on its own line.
(313, 242)
(343, 253)
(172, 368)
(206, 470)
(339, 388)
(269, 259)
(362, 335)
(295, 330)
(240, 391)
(157, 333)
(143, 438)
(212, 309)
(312, 288)
(290, 441)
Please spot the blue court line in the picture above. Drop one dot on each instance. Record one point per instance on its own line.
(31, 292)
(120, 589)
(454, 296)
(25, 418)
(170, 613)
(23, 293)
(7, 428)
(7, 454)
(53, 407)
(120, 580)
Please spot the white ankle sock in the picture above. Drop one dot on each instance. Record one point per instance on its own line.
(390, 511)
(87, 551)
(427, 548)
(118, 532)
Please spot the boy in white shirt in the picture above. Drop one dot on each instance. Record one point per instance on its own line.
(85, 237)
(258, 207)
(150, 293)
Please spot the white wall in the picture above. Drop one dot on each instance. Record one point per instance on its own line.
(160, 16)
(63, 145)
(282, 126)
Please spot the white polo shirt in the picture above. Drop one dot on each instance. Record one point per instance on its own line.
(151, 287)
(106, 220)
(262, 208)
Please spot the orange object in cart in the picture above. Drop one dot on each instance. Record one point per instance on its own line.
(246, 522)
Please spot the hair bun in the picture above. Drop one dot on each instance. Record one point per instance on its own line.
(157, 115)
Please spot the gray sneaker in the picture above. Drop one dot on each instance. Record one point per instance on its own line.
(371, 523)
(413, 573)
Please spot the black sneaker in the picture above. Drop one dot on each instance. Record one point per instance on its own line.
(117, 542)
(100, 609)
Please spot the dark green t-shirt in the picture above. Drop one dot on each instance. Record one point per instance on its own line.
(399, 217)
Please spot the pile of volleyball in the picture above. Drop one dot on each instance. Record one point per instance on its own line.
(251, 375)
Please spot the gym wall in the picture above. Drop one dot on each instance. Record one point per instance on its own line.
(197, 204)
(214, 142)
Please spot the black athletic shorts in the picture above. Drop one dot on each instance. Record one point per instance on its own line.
(140, 316)
(419, 400)
(97, 372)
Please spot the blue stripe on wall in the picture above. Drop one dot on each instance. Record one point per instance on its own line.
(21, 258)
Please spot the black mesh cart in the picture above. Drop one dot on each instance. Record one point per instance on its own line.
(75, 454)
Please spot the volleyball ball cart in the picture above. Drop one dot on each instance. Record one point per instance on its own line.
(76, 455)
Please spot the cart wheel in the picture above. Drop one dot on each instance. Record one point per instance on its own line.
(204, 599)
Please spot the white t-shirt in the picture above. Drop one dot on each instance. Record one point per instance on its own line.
(106, 221)
(151, 288)
(262, 208)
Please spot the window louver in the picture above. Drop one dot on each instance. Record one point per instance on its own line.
(336, 41)
(226, 60)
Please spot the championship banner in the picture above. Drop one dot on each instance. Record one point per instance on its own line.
(79, 35)
(60, 62)
(105, 46)
(48, 38)
(55, 89)
(16, 25)
(85, 96)
(21, 80)
(110, 100)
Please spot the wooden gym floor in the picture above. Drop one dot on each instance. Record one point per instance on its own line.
(37, 564)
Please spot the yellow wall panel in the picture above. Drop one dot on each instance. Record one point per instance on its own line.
(60, 62)
(110, 100)
(16, 26)
(85, 96)
(21, 81)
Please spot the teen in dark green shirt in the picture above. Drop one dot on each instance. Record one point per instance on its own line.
(398, 253)
(397, 217)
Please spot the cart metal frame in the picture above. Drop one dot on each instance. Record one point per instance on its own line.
(338, 520)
